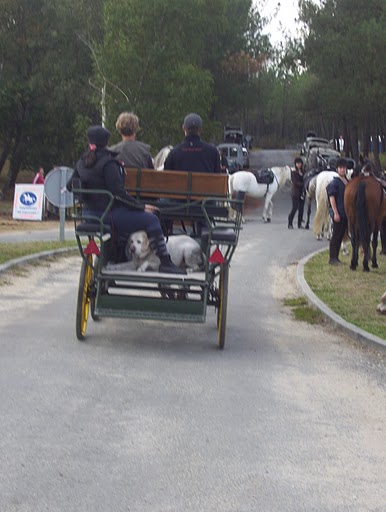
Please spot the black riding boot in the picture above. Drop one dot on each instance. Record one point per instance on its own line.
(158, 245)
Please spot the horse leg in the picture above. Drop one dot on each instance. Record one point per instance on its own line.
(374, 262)
(270, 211)
(355, 249)
(345, 250)
(307, 226)
(265, 209)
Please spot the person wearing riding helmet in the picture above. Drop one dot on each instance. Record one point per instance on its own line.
(98, 169)
(297, 193)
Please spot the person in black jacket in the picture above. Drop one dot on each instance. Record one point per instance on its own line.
(98, 169)
(335, 192)
(193, 154)
(297, 193)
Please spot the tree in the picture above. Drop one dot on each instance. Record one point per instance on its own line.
(345, 49)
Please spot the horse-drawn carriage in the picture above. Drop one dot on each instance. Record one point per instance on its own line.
(120, 291)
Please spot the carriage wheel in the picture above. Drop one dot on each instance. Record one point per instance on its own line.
(94, 316)
(84, 298)
(223, 305)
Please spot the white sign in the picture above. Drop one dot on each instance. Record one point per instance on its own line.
(28, 202)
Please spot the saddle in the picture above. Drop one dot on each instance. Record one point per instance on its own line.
(263, 176)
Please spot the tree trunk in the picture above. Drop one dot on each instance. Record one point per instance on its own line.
(377, 162)
(354, 142)
(4, 154)
(15, 163)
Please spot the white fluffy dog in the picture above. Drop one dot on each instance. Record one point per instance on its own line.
(184, 251)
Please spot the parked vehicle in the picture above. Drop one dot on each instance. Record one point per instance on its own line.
(233, 134)
(234, 154)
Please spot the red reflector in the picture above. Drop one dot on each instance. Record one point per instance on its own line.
(92, 248)
(216, 256)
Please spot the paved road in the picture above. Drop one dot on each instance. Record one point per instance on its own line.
(152, 417)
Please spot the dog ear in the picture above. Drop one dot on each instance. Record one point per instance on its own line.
(145, 242)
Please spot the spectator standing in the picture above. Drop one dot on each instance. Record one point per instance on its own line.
(335, 191)
(130, 151)
(297, 193)
(39, 177)
(224, 164)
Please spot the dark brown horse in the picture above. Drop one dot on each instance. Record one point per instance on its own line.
(365, 208)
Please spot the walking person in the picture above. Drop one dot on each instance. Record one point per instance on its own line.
(297, 193)
(335, 191)
(98, 169)
(131, 152)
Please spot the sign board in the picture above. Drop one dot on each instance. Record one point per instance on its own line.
(55, 183)
(28, 202)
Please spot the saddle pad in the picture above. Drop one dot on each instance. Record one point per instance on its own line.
(264, 176)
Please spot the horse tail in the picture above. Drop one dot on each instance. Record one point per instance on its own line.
(321, 215)
(361, 215)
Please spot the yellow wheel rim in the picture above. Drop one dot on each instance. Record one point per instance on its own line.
(86, 298)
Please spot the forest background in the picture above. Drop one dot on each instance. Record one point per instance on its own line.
(65, 65)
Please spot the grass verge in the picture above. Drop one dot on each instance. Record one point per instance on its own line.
(352, 295)
(10, 251)
(303, 312)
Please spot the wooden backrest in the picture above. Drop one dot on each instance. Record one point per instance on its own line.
(175, 184)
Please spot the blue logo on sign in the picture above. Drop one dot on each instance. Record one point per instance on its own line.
(28, 198)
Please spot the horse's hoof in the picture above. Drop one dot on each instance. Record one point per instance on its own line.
(268, 220)
(366, 269)
(353, 267)
(375, 265)
(307, 226)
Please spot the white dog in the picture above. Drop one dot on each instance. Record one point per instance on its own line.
(184, 251)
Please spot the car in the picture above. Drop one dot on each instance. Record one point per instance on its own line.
(234, 154)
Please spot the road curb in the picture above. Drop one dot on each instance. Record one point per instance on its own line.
(335, 319)
(32, 257)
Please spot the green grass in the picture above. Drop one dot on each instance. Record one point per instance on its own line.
(10, 251)
(303, 312)
(352, 295)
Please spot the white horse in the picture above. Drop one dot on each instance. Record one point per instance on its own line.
(244, 182)
(159, 159)
(321, 225)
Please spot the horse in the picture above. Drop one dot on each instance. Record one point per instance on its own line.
(159, 159)
(321, 224)
(365, 207)
(244, 183)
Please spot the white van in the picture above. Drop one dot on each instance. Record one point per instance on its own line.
(234, 154)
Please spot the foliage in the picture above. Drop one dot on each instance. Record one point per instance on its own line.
(344, 49)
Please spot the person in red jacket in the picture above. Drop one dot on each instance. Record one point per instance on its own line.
(39, 177)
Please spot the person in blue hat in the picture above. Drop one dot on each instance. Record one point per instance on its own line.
(98, 169)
